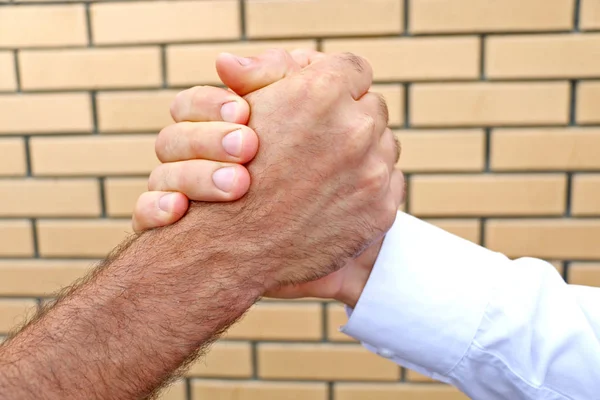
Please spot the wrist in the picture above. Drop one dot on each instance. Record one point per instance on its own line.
(357, 275)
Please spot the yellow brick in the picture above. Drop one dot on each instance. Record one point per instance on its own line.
(93, 155)
(545, 149)
(584, 274)
(175, 391)
(394, 97)
(39, 278)
(542, 56)
(590, 14)
(279, 322)
(489, 104)
(588, 102)
(415, 58)
(134, 111)
(8, 80)
(49, 197)
(12, 162)
(465, 228)
(361, 391)
(323, 362)
(413, 376)
(562, 239)
(16, 238)
(439, 150)
(47, 25)
(336, 318)
(45, 113)
(558, 265)
(14, 313)
(433, 16)
(195, 64)
(586, 195)
(224, 359)
(292, 18)
(122, 194)
(80, 238)
(257, 390)
(90, 68)
(487, 195)
(165, 21)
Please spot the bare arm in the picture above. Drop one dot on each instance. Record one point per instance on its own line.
(167, 294)
(123, 331)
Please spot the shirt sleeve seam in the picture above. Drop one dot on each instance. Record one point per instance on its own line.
(521, 379)
(471, 342)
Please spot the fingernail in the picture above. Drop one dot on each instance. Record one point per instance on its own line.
(165, 203)
(243, 60)
(232, 143)
(229, 111)
(223, 178)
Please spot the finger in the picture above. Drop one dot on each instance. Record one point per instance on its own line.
(207, 103)
(201, 180)
(375, 105)
(216, 141)
(246, 75)
(390, 148)
(355, 69)
(305, 57)
(156, 209)
(398, 187)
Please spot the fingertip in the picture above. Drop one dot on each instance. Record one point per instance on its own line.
(231, 71)
(243, 112)
(250, 145)
(174, 203)
(242, 183)
(156, 209)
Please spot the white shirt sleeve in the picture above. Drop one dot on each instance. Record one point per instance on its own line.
(497, 329)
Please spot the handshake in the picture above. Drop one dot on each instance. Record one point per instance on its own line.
(293, 184)
(315, 144)
(324, 187)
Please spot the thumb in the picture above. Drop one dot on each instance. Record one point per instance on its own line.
(245, 75)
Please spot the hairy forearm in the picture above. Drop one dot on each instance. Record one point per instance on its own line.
(122, 332)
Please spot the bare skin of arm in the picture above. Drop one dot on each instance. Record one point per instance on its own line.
(122, 332)
(165, 295)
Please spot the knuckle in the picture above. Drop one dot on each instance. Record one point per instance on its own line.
(277, 54)
(356, 62)
(388, 212)
(366, 126)
(162, 142)
(175, 108)
(376, 178)
(359, 138)
(181, 103)
(384, 112)
(180, 177)
(397, 148)
(198, 97)
(154, 178)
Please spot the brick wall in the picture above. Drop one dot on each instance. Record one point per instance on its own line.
(495, 102)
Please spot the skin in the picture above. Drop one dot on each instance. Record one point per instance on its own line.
(163, 296)
(345, 285)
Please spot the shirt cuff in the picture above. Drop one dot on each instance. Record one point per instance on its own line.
(426, 296)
